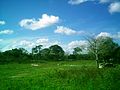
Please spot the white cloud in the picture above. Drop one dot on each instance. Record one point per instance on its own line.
(117, 36)
(1, 40)
(29, 44)
(26, 43)
(77, 43)
(2, 22)
(6, 31)
(66, 31)
(114, 7)
(105, 1)
(81, 43)
(46, 42)
(76, 2)
(43, 22)
(106, 34)
(103, 34)
(42, 40)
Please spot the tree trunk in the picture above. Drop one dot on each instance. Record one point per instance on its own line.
(97, 63)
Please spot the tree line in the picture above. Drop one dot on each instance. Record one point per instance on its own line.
(101, 49)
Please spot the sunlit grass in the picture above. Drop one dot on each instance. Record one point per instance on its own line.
(63, 75)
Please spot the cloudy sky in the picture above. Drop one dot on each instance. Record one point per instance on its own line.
(26, 23)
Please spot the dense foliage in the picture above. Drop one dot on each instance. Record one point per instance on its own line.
(104, 49)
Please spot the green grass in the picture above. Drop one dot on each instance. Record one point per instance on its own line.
(64, 75)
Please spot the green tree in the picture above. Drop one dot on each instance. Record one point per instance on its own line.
(36, 49)
(116, 55)
(45, 53)
(77, 52)
(106, 49)
(93, 48)
(102, 48)
(15, 55)
(36, 52)
(56, 52)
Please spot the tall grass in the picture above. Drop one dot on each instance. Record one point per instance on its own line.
(78, 75)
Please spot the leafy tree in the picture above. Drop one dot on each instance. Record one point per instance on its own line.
(93, 48)
(45, 53)
(77, 51)
(1, 57)
(106, 49)
(56, 52)
(36, 51)
(116, 55)
(15, 55)
(71, 57)
(102, 47)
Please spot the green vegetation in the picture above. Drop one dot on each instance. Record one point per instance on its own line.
(62, 75)
(53, 69)
(102, 49)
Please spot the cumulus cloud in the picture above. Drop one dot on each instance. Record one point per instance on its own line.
(105, 1)
(114, 7)
(103, 34)
(26, 43)
(42, 22)
(2, 22)
(32, 43)
(42, 40)
(76, 2)
(81, 43)
(66, 31)
(106, 34)
(6, 31)
(117, 36)
(46, 42)
(1, 40)
(29, 44)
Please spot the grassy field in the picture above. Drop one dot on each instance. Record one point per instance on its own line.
(64, 75)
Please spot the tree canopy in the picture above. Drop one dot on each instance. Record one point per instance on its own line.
(102, 48)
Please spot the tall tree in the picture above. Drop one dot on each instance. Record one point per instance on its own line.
(93, 48)
(107, 47)
(17, 55)
(102, 47)
(77, 51)
(116, 55)
(36, 49)
(56, 52)
(36, 52)
(45, 53)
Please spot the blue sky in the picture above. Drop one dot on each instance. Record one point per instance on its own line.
(26, 23)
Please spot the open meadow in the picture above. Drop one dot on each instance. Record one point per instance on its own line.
(62, 75)
(59, 44)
